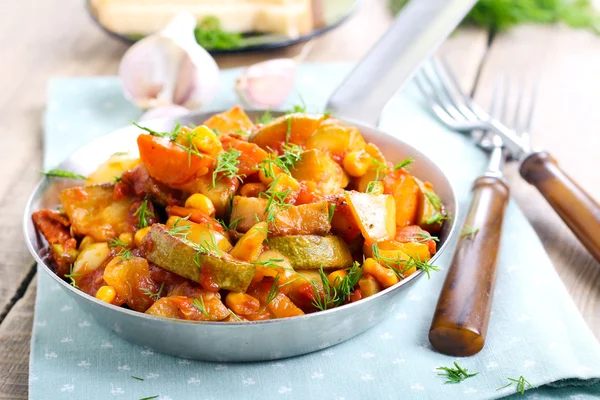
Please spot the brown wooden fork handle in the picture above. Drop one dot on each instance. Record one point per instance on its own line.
(462, 314)
(579, 211)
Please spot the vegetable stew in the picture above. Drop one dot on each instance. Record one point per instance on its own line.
(237, 221)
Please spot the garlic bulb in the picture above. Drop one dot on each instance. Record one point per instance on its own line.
(269, 83)
(170, 68)
(164, 112)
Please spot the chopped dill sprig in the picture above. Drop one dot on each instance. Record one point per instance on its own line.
(455, 375)
(199, 304)
(404, 163)
(71, 276)
(61, 173)
(521, 382)
(156, 295)
(143, 214)
(227, 165)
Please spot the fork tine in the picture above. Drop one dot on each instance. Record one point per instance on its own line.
(516, 119)
(526, 131)
(442, 97)
(429, 96)
(450, 82)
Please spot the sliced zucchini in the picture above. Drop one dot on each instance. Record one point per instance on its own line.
(311, 252)
(182, 258)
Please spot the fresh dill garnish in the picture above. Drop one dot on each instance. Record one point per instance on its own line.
(520, 382)
(156, 295)
(438, 216)
(199, 304)
(274, 290)
(455, 375)
(234, 315)
(171, 135)
(266, 117)
(336, 293)
(298, 108)
(216, 131)
(61, 173)
(275, 200)
(232, 225)
(468, 232)
(124, 254)
(143, 214)
(137, 377)
(372, 187)
(327, 114)
(150, 398)
(116, 242)
(180, 231)
(394, 263)
(425, 237)
(345, 286)
(210, 35)
(380, 168)
(118, 179)
(327, 297)
(72, 277)
(292, 153)
(422, 265)
(208, 246)
(270, 263)
(404, 163)
(331, 211)
(227, 165)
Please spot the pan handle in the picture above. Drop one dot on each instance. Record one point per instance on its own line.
(417, 32)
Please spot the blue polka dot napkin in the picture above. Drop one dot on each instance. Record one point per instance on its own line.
(535, 330)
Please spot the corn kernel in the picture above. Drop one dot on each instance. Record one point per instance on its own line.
(206, 141)
(356, 163)
(202, 203)
(126, 237)
(139, 236)
(336, 277)
(106, 293)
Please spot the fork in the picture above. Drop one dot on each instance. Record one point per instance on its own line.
(457, 110)
(460, 321)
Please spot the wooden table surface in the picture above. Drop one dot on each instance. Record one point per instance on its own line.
(60, 40)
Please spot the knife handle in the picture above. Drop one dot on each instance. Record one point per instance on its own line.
(578, 209)
(462, 313)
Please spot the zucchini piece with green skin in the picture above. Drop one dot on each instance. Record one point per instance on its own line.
(182, 258)
(305, 219)
(311, 252)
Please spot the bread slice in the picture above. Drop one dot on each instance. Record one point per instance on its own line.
(291, 18)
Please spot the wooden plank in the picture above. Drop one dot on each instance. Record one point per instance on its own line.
(15, 334)
(566, 123)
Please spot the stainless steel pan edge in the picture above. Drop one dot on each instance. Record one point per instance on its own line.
(242, 341)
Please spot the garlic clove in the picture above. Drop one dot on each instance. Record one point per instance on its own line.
(170, 68)
(172, 111)
(267, 84)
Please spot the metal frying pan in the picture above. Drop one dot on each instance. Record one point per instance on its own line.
(417, 31)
